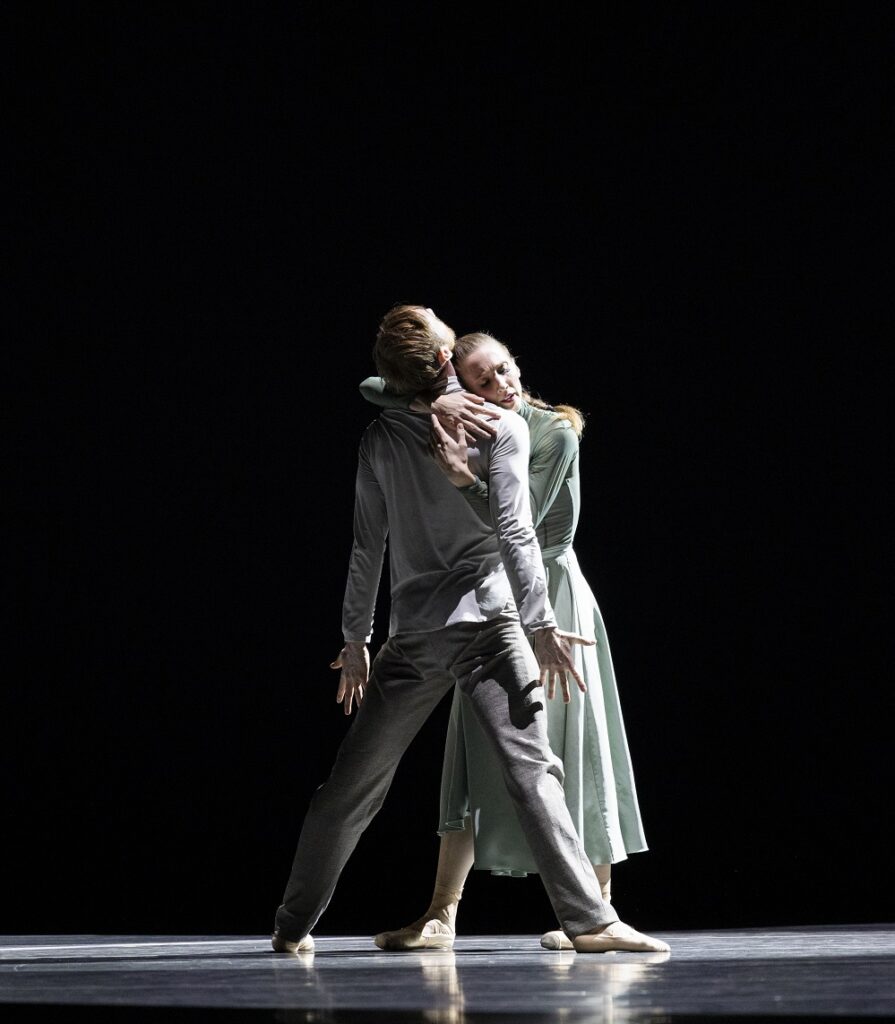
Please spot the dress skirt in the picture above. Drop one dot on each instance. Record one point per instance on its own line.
(587, 735)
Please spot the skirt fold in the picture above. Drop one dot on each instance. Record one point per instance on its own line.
(587, 735)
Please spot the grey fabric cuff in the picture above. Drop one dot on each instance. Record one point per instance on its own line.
(477, 487)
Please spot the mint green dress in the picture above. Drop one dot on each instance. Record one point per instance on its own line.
(588, 734)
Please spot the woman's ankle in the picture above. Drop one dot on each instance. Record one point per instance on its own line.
(444, 911)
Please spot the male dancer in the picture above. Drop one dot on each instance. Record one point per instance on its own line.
(453, 620)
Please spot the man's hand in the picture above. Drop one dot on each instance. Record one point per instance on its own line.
(553, 649)
(354, 661)
(451, 453)
(460, 408)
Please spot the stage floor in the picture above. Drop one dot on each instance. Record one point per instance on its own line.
(807, 972)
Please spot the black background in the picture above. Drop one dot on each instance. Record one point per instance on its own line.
(675, 218)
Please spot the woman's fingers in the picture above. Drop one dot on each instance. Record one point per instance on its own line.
(478, 428)
(474, 429)
(476, 418)
(490, 414)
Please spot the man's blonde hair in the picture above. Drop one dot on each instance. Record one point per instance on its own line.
(406, 350)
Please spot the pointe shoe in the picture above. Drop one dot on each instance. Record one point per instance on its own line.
(283, 945)
(434, 934)
(618, 936)
(556, 940)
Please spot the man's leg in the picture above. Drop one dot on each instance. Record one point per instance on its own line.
(559, 939)
(498, 672)
(397, 702)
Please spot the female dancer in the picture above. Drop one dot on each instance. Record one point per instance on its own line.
(586, 731)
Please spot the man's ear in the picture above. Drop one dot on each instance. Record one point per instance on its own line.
(445, 354)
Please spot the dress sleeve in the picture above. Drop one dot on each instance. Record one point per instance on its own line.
(375, 391)
(547, 471)
(367, 553)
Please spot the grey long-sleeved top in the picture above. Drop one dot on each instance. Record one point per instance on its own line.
(446, 564)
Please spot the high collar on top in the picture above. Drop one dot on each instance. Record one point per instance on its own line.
(448, 381)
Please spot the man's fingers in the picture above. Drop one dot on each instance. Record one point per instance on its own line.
(438, 429)
(574, 638)
(355, 698)
(576, 675)
(551, 686)
(564, 682)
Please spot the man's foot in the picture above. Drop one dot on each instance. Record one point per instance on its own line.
(556, 940)
(282, 945)
(422, 934)
(618, 936)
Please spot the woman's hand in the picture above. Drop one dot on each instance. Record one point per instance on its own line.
(451, 454)
(461, 407)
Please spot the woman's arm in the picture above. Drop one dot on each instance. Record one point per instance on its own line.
(452, 409)
(375, 391)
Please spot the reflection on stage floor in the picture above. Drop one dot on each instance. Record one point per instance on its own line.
(807, 972)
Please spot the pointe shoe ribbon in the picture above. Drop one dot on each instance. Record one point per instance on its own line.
(618, 936)
(434, 934)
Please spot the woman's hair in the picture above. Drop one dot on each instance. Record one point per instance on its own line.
(466, 345)
(406, 350)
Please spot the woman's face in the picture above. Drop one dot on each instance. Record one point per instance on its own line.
(488, 371)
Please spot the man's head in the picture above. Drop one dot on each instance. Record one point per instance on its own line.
(412, 346)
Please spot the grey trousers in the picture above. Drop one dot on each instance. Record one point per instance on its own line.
(494, 665)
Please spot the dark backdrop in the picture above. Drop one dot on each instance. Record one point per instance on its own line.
(674, 219)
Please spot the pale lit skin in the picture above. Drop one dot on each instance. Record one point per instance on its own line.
(460, 406)
(490, 373)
